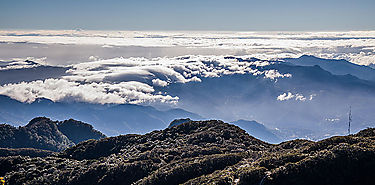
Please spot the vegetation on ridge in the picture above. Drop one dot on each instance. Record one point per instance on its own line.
(43, 133)
(200, 152)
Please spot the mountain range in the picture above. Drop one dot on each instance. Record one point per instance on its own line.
(312, 103)
(109, 119)
(336, 67)
(311, 98)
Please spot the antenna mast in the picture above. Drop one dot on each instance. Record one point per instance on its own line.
(350, 119)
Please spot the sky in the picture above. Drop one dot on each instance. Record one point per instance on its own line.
(247, 15)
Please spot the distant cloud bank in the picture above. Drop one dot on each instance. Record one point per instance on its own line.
(355, 46)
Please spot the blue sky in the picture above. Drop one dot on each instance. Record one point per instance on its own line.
(259, 15)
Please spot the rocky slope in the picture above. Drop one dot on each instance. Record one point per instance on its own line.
(43, 133)
(200, 152)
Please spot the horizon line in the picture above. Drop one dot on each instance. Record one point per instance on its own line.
(187, 30)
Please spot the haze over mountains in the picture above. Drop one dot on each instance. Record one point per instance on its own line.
(307, 97)
(109, 119)
(336, 67)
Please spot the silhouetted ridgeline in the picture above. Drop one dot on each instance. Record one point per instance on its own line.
(43, 133)
(201, 152)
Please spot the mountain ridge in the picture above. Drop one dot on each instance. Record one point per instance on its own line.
(253, 128)
(338, 67)
(201, 152)
(45, 134)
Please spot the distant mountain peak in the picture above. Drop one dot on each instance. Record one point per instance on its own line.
(29, 62)
(43, 100)
(78, 131)
(257, 130)
(308, 56)
(39, 120)
(335, 66)
(177, 122)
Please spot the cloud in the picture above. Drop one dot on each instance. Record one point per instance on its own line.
(272, 74)
(297, 97)
(332, 119)
(61, 89)
(21, 63)
(93, 58)
(132, 80)
(285, 96)
(355, 46)
(172, 70)
(159, 82)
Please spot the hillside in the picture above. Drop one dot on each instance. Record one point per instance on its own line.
(43, 133)
(201, 152)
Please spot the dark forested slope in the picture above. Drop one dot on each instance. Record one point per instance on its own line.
(43, 133)
(201, 152)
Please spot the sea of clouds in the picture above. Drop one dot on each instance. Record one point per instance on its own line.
(355, 46)
(131, 80)
(99, 79)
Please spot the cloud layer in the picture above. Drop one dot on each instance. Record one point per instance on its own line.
(355, 46)
(139, 79)
(178, 69)
(134, 80)
(61, 89)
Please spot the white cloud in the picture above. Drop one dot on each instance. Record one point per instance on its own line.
(93, 58)
(332, 119)
(355, 46)
(312, 96)
(174, 70)
(300, 97)
(272, 74)
(22, 63)
(291, 96)
(61, 89)
(131, 80)
(285, 96)
(159, 82)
